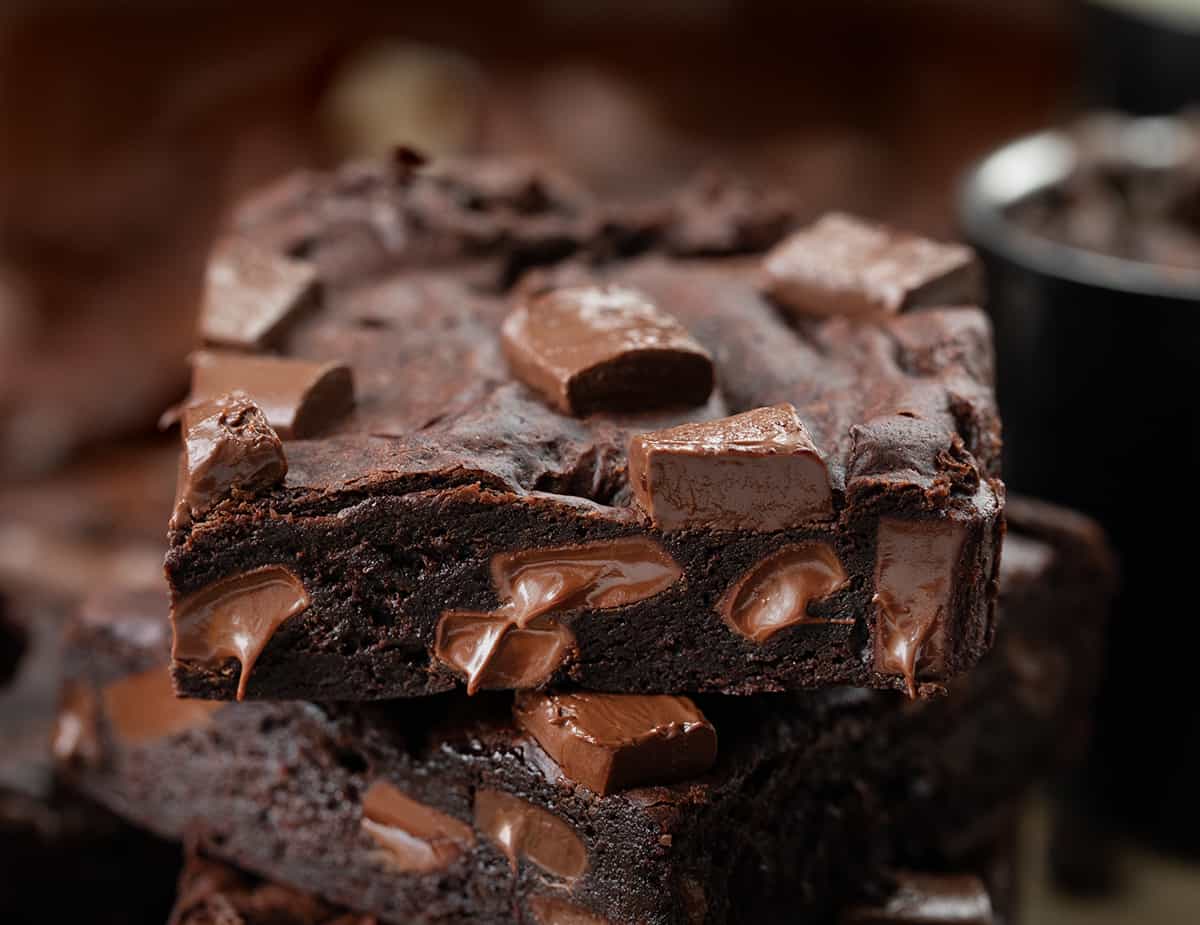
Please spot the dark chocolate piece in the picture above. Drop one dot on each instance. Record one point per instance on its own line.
(252, 294)
(611, 742)
(527, 832)
(418, 838)
(929, 899)
(228, 447)
(775, 593)
(754, 471)
(298, 398)
(842, 265)
(236, 618)
(914, 581)
(835, 787)
(394, 515)
(589, 349)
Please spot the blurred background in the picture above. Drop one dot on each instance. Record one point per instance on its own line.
(128, 130)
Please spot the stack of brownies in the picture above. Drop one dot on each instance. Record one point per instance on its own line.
(541, 560)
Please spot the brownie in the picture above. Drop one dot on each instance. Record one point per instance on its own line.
(453, 808)
(654, 468)
(63, 857)
(216, 893)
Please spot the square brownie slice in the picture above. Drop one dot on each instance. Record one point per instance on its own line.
(639, 473)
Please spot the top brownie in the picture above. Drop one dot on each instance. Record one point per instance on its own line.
(464, 425)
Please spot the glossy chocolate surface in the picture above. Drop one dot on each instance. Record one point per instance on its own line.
(842, 265)
(520, 644)
(525, 832)
(236, 618)
(776, 592)
(610, 742)
(588, 349)
(228, 447)
(417, 837)
(252, 293)
(754, 471)
(914, 579)
(298, 398)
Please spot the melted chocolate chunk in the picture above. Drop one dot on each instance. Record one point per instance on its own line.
(299, 398)
(929, 899)
(610, 742)
(754, 471)
(842, 265)
(522, 830)
(611, 573)
(228, 447)
(236, 617)
(143, 707)
(417, 838)
(775, 593)
(252, 293)
(518, 645)
(494, 652)
(550, 910)
(914, 576)
(593, 348)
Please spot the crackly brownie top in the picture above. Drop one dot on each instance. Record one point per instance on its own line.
(414, 361)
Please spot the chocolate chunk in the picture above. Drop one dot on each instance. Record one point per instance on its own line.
(76, 727)
(610, 742)
(493, 651)
(143, 707)
(252, 293)
(236, 617)
(929, 899)
(914, 575)
(522, 830)
(604, 348)
(842, 265)
(228, 447)
(754, 471)
(775, 593)
(611, 573)
(517, 645)
(299, 398)
(550, 910)
(417, 838)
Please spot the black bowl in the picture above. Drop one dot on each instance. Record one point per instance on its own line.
(1098, 364)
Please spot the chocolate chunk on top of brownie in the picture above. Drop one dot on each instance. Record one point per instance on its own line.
(781, 467)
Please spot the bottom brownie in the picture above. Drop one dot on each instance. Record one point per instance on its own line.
(984, 893)
(62, 857)
(445, 810)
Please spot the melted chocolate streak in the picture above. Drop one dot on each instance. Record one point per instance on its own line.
(519, 644)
